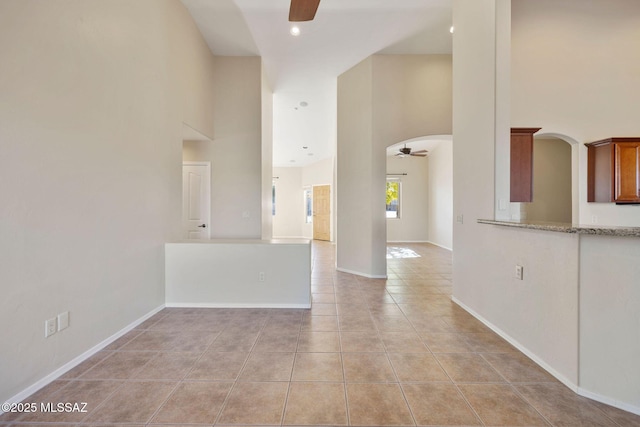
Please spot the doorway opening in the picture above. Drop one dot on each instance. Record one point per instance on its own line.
(196, 185)
(552, 178)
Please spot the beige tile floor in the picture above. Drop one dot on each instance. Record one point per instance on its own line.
(368, 353)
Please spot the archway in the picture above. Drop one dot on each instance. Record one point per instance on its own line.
(426, 192)
(555, 179)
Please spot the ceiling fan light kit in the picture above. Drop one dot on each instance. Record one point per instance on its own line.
(303, 10)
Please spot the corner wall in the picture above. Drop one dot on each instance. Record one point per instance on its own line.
(236, 153)
(355, 252)
(381, 101)
(90, 172)
(440, 202)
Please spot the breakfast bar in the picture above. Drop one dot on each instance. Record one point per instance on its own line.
(589, 279)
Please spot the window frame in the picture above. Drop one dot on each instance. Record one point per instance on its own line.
(398, 210)
(307, 200)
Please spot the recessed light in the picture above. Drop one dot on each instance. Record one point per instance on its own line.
(310, 154)
(305, 147)
(295, 31)
(304, 104)
(292, 161)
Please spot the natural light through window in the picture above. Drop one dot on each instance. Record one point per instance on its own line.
(393, 198)
(396, 252)
(273, 198)
(308, 206)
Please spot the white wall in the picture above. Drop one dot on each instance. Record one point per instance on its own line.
(551, 181)
(575, 68)
(236, 168)
(94, 95)
(412, 97)
(381, 101)
(412, 226)
(474, 133)
(355, 251)
(267, 155)
(440, 202)
(289, 217)
(609, 319)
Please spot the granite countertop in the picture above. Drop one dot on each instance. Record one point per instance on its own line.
(562, 227)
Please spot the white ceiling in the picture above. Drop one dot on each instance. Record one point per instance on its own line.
(305, 68)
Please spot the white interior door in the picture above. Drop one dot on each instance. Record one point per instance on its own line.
(196, 199)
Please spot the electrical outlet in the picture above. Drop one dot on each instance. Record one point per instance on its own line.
(50, 327)
(63, 320)
(460, 219)
(261, 276)
(519, 272)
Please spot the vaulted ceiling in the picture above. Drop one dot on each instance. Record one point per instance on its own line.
(303, 70)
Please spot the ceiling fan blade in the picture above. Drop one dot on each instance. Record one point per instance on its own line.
(303, 10)
(419, 154)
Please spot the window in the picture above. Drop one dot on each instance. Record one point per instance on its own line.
(273, 198)
(308, 205)
(393, 198)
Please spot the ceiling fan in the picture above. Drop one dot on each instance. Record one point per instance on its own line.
(303, 10)
(406, 151)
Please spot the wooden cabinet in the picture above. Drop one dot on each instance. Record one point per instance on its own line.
(522, 164)
(614, 170)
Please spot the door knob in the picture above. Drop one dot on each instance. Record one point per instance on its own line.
(202, 226)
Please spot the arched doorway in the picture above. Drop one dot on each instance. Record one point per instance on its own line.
(425, 190)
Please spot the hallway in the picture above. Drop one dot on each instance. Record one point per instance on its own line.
(369, 352)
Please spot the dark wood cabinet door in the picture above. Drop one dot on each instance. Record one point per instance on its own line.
(522, 164)
(614, 170)
(627, 172)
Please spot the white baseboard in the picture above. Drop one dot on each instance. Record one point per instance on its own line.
(420, 241)
(440, 246)
(609, 401)
(408, 241)
(358, 273)
(564, 380)
(233, 305)
(77, 360)
(560, 377)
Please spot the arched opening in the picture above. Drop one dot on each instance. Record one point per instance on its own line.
(423, 211)
(555, 188)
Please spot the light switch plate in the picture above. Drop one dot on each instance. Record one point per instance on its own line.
(63, 320)
(519, 272)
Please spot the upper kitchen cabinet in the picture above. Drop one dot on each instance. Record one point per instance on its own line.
(614, 170)
(522, 164)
